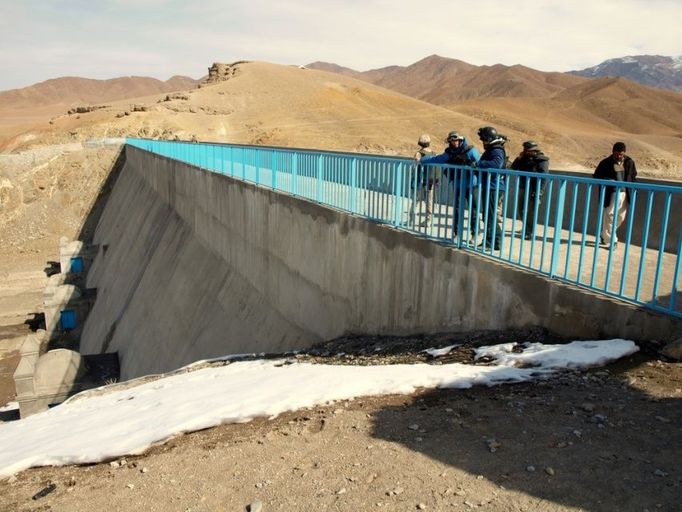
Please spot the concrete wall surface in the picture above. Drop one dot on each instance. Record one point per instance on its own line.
(194, 264)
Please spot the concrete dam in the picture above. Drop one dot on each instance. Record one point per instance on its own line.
(192, 264)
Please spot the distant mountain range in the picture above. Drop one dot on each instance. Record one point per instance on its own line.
(499, 80)
(444, 81)
(652, 70)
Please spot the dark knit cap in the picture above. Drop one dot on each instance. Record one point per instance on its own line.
(619, 146)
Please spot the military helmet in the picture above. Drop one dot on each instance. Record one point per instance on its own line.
(531, 145)
(487, 134)
(454, 135)
(424, 141)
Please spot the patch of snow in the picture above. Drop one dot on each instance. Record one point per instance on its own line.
(437, 352)
(577, 354)
(127, 422)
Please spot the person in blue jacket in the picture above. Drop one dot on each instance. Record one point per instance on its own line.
(494, 157)
(458, 152)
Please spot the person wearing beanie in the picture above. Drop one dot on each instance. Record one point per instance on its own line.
(617, 167)
(531, 159)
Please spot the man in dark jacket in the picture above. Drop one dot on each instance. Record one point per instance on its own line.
(617, 167)
(458, 152)
(531, 159)
(494, 157)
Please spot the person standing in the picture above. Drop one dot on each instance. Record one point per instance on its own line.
(494, 157)
(458, 152)
(422, 184)
(531, 159)
(617, 167)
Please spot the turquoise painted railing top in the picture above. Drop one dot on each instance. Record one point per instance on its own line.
(556, 235)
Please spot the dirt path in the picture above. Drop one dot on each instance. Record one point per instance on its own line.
(605, 440)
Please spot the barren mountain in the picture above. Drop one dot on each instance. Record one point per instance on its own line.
(19, 108)
(652, 70)
(442, 80)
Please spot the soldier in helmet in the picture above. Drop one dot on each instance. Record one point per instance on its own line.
(422, 183)
(459, 153)
(494, 157)
(531, 159)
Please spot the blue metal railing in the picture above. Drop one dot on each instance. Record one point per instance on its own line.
(562, 241)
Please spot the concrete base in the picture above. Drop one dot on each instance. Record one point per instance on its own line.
(47, 380)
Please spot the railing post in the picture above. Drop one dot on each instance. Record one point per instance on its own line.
(558, 226)
(274, 170)
(319, 177)
(353, 183)
(231, 160)
(398, 193)
(294, 174)
(257, 167)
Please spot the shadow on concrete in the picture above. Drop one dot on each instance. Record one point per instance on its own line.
(91, 219)
(588, 440)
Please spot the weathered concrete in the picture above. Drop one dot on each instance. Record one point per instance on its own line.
(48, 380)
(194, 265)
(68, 250)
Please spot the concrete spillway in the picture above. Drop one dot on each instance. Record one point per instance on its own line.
(193, 265)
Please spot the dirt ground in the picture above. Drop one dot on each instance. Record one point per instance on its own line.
(604, 440)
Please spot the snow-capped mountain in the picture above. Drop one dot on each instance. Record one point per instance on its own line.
(652, 70)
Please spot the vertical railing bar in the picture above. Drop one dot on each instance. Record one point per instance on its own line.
(571, 227)
(628, 239)
(558, 224)
(600, 215)
(614, 235)
(515, 207)
(586, 218)
(661, 245)
(645, 243)
(676, 274)
(545, 228)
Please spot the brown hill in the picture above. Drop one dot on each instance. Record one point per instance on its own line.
(581, 120)
(72, 91)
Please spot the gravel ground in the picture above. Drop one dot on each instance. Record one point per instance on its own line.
(604, 440)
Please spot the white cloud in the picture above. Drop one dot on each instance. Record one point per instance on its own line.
(167, 37)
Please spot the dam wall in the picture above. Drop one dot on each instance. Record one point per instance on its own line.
(193, 264)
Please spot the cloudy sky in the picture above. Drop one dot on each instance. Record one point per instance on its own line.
(41, 39)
